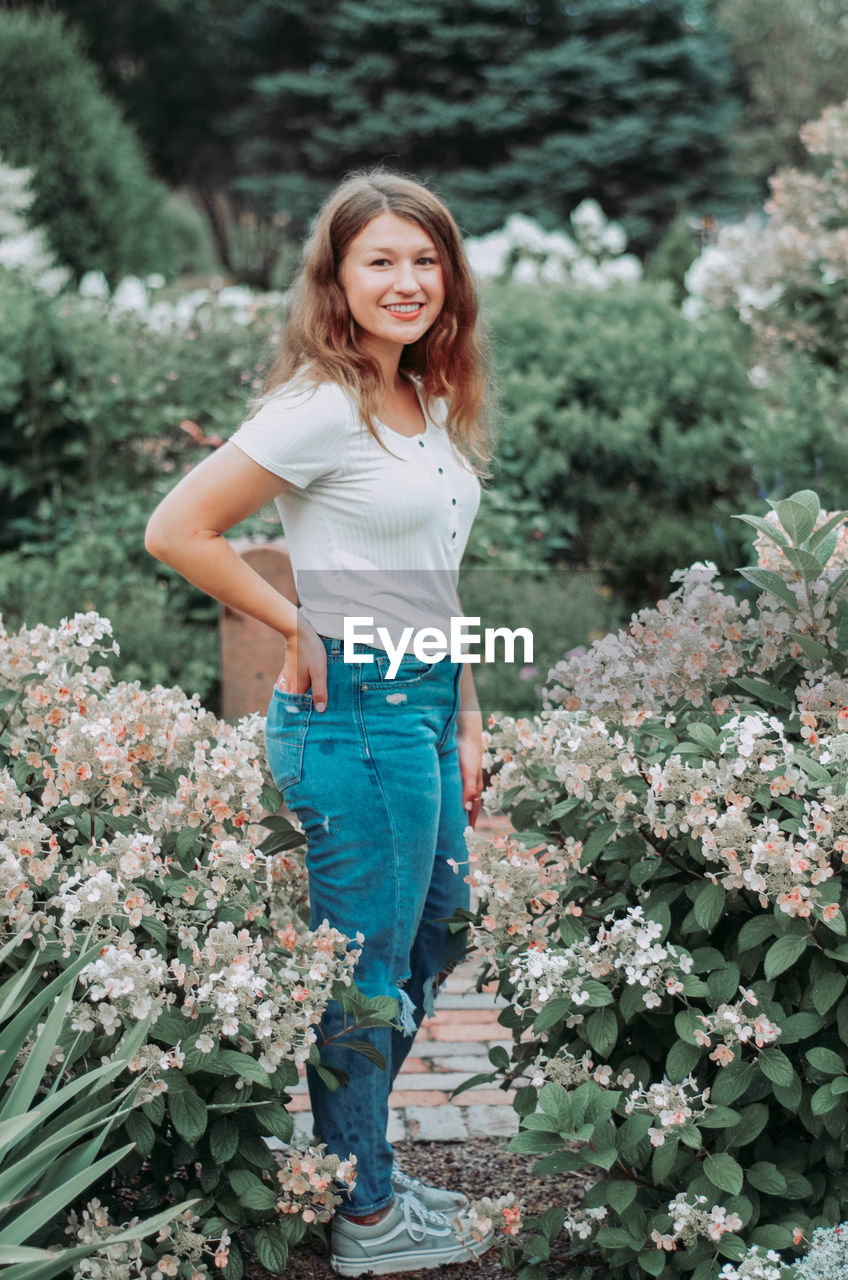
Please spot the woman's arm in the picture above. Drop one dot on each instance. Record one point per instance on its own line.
(469, 729)
(186, 532)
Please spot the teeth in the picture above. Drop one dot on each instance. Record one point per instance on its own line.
(405, 307)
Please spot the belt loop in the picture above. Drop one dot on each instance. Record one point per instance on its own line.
(337, 645)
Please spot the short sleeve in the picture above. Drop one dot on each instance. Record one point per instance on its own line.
(298, 433)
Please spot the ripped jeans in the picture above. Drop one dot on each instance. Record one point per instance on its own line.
(375, 782)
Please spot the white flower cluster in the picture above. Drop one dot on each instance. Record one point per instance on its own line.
(672, 1105)
(567, 1070)
(592, 256)
(673, 652)
(628, 950)
(123, 1260)
(168, 771)
(310, 1178)
(502, 1214)
(799, 247)
(735, 1024)
(691, 1220)
(519, 885)
(828, 1255)
(24, 249)
(193, 309)
(758, 1264)
(582, 1223)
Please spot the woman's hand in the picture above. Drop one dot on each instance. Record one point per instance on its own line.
(305, 665)
(469, 737)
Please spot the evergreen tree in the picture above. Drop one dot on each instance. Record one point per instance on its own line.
(93, 193)
(506, 106)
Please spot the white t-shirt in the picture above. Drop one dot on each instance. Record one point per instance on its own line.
(370, 533)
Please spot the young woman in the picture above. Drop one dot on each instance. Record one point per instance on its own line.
(370, 437)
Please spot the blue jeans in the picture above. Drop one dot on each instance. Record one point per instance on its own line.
(375, 781)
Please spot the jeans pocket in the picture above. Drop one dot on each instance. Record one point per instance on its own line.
(285, 736)
(409, 671)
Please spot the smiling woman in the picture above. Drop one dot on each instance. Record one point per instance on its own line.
(370, 437)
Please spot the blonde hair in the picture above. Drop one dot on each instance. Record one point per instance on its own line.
(319, 342)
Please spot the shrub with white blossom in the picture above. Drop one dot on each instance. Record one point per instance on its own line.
(667, 920)
(139, 820)
(590, 256)
(786, 274)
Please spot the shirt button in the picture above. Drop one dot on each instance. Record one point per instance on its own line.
(453, 535)
(421, 444)
(441, 471)
(453, 502)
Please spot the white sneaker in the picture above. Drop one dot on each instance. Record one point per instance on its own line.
(409, 1238)
(438, 1198)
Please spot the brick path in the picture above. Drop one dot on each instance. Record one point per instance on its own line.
(448, 1049)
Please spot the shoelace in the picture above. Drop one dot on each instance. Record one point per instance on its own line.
(414, 1209)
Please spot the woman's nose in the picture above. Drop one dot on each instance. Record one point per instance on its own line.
(406, 279)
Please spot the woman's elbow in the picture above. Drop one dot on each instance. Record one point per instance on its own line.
(155, 540)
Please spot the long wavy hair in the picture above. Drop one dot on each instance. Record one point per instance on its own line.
(320, 342)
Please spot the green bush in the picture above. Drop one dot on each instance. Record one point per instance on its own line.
(800, 435)
(617, 412)
(93, 192)
(92, 397)
(95, 560)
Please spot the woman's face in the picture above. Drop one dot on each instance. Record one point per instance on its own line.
(392, 279)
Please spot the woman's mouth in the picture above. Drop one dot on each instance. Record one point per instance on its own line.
(405, 310)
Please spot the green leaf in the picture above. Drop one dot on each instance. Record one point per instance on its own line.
(783, 953)
(724, 1173)
(140, 1131)
(270, 798)
(775, 1066)
(708, 905)
(817, 538)
(732, 1246)
(554, 1011)
(721, 1118)
(252, 1192)
(681, 1060)
(602, 1031)
(271, 1249)
(241, 1064)
(188, 1112)
(824, 1100)
(224, 1139)
(825, 1060)
(798, 514)
(771, 531)
(620, 1194)
(827, 989)
(368, 1050)
(766, 1177)
(662, 1161)
(773, 1236)
(555, 1103)
(800, 1026)
(596, 841)
(804, 562)
(768, 581)
(752, 1120)
(731, 1082)
(763, 692)
(533, 1143)
(652, 1262)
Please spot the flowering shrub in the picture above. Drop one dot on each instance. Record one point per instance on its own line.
(141, 820)
(591, 257)
(787, 276)
(667, 921)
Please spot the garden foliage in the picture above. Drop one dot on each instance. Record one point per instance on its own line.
(787, 276)
(668, 921)
(94, 195)
(621, 420)
(135, 820)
